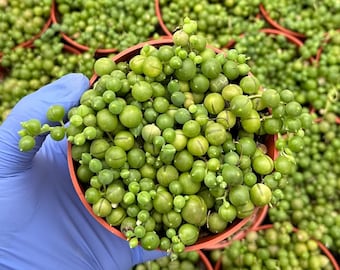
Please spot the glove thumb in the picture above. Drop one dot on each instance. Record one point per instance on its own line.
(65, 91)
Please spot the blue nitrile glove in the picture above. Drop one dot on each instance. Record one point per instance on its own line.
(43, 224)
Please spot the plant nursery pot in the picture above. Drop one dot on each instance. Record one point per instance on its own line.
(204, 241)
(322, 247)
(288, 36)
(71, 49)
(30, 41)
(81, 47)
(276, 25)
(320, 50)
(160, 19)
(132, 51)
(206, 264)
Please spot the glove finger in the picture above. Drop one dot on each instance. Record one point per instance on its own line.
(65, 91)
(141, 255)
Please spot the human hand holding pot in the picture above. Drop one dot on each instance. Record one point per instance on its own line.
(43, 223)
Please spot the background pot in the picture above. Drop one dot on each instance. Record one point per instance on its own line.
(323, 248)
(29, 42)
(81, 47)
(276, 25)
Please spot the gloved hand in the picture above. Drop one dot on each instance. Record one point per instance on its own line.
(43, 224)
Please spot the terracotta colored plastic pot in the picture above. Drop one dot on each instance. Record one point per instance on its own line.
(132, 51)
(271, 31)
(204, 241)
(205, 261)
(68, 39)
(288, 36)
(66, 48)
(70, 49)
(319, 52)
(81, 47)
(30, 41)
(276, 25)
(160, 19)
(322, 247)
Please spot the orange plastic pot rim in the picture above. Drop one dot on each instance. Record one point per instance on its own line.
(205, 260)
(30, 41)
(276, 25)
(73, 42)
(320, 50)
(288, 36)
(160, 18)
